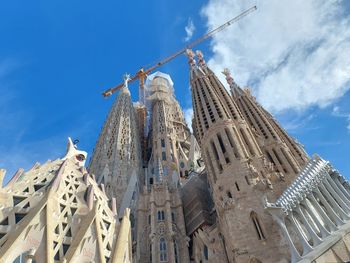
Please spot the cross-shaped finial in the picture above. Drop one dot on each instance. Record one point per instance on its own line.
(126, 78)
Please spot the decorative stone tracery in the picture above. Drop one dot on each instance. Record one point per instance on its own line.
(312, 211)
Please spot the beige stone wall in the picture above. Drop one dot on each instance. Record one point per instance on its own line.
(160, 216)
(56, 212)
(337, 253)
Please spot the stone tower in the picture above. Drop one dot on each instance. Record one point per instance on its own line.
(280, 149)
(56, 212)
(173, 153)
(239, 174)
(116, 160)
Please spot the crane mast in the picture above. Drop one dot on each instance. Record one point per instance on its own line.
(142, 73)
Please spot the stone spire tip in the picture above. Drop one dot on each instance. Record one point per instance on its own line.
(200, 57)
(190, 54)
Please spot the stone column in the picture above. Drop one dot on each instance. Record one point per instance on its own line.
(329, 209)
(328, 221)
(334, 204)
(339, 198)
(335, 179)
(315, 238)
(169, 226)
(324, 232)
(295, 256)
(329, 183)
(306, 246)
(153, 236)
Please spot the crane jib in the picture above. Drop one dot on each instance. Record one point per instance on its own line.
(136, 76)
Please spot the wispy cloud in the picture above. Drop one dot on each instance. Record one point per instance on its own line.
(299, 122)
(188, 117)
(189, 28)
(337, 112)
(291, 52)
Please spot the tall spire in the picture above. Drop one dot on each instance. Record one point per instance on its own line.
(238, 173)
(213, 107)
(117, 152)
(234, 88)
(277, 146)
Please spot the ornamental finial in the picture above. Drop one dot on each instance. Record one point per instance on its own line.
(200, 57)
(190, 55)
(126, 78)
(228, 76)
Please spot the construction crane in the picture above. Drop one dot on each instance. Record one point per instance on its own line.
(142, 73)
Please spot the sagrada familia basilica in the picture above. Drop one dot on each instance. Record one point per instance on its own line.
(238, 189)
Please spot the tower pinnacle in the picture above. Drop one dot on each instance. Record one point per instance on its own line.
(126, 78)
(200, 56)
(230, 81)
(190, 54)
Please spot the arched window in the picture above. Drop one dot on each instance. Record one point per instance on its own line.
(176, 253)
(206, 252)
(161, 215)
(162, 250)
(254, 218)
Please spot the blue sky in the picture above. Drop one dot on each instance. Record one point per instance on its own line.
(56, 57)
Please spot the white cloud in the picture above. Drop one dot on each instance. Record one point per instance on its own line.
(189, 28)
(188, 117)
(337, 112)
(293, 53)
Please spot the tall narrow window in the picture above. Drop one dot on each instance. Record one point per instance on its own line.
(254, 218)
(162, 250)
(173, 217)
(222, 146)
(162, 142)
(206, 252)
(159, 216)
(150, 253)
(246, 141)
(163, 156)
(215, 151)
(176, 253)
(237, 186)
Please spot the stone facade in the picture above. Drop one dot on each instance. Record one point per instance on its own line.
(239, 189)
(173, 153)
(56, 212)
(117, 157)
